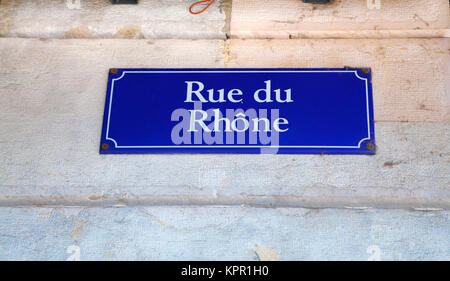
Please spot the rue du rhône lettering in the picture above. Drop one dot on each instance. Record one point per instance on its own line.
(218, 126)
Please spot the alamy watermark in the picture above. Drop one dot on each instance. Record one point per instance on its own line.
(375, 253)
(74, 252)
(76, 5)
(231, 126)
(73, 4)
(374, 4)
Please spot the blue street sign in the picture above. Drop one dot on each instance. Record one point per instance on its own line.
(289, 111)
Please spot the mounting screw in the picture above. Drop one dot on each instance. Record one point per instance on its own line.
(113, 70)
(105, 146)
(365, 70)
(370, 146)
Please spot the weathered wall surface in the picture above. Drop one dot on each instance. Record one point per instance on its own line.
(53, 71)
(100, 19)
(222, 233)
(284, 18)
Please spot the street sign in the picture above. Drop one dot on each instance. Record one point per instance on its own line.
(286, 111)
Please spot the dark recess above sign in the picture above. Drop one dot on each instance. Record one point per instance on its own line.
(124, 1)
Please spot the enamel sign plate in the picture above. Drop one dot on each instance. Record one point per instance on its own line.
(289, 111)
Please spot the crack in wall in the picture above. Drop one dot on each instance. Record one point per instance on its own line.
(226, 7)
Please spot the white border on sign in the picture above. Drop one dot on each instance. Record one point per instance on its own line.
(240, 146)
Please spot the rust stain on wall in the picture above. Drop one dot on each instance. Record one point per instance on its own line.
(78, 32)
(130, 32)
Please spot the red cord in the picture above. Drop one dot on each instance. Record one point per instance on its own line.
(199, 2)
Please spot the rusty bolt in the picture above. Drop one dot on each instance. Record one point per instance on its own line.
(105, 146)
(370, 146)
(113, 70)
(365, 70)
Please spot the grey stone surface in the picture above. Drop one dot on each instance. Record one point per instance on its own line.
(222, 233)
(101, 19)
